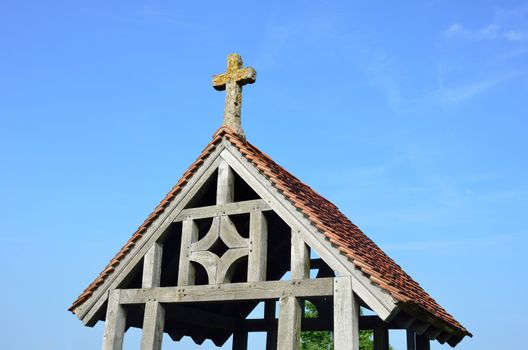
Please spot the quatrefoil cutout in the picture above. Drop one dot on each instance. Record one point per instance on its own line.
(219, 263)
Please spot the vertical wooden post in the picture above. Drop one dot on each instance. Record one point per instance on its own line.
(269, 316)
(346, 315)
(240, 340)
(290, 307)
(153, 324)
(115, 323)
(258, 246)
(289, 329)
(411, 343)
(225, 190)
(154, 318)
(381, 339)
(300, 258)
(422, 342)
(186, 273)
(152, 266)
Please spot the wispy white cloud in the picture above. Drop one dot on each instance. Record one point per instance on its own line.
(516, 35)
(490, 32)
(449, 94)
(457, 30)
(507, 13)
(508, 24)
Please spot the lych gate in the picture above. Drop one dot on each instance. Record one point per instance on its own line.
(238, 230)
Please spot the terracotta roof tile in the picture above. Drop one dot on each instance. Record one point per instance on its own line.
(325, 216)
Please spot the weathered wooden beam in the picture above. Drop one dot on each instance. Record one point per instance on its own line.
(153, 323)
(186, 273)
(380, 301)
(88, 312)
(225, 191)
(115, 323)
(411, 340)
(271, 329)
(223, 209)
(152, 266)
(289, 328)
(381, 339)
(422, 343)
(240, 340)
(346, 315)
(300, 257)
(230, 292)
(258, 247)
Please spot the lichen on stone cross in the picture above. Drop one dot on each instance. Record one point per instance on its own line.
(232, 81)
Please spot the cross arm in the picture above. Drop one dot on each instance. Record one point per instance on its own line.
(246, 75)
(220, 81)
(242, 76)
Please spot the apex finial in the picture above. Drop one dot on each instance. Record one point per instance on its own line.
(232, 81)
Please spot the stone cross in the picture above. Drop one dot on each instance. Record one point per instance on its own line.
(232, 81)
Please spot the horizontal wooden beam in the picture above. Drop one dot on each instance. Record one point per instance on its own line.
(230, 291)
(223, 209)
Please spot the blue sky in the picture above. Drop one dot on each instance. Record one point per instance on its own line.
(411, 117)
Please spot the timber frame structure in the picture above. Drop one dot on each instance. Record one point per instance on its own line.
(238, 230)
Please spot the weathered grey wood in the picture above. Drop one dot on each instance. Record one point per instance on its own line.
(230, 292)
(240, 340)
(219, 270)
(379, 300)
(152, 266)
(346, 315)
(223, 209)
(381, 339)
(153, 324)
(186, 273)
(289, 328)
(411, 340)
(225, 191)
(258, 247)
(221, 227)
(422, 343)
(230, 235)
(209, 262)
(300, 257)
(115, 323)
(271, 329)
(88, 311)
(209, 239)
(228, 263)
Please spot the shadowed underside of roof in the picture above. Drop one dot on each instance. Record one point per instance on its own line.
(326, 217)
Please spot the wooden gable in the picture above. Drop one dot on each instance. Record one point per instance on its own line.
(238, 230)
